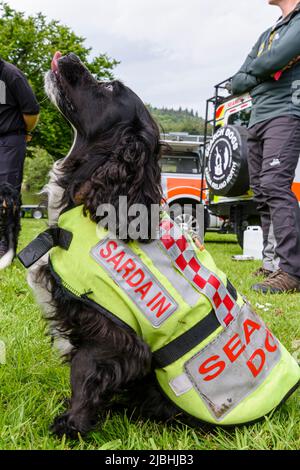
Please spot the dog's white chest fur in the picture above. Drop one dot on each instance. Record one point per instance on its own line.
(42, 294)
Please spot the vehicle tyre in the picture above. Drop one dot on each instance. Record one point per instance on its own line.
(242, 226)
(37, 214)
(227, 167)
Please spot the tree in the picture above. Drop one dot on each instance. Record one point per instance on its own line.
(180, 120)
(36, 170)
(30, 43)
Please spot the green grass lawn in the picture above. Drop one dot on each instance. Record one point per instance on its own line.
(34, 384)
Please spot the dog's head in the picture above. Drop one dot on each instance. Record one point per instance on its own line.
(117, 145)
(91, 106)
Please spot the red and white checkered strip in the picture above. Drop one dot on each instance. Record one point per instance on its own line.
(205, 281)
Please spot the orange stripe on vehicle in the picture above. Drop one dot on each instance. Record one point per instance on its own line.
(220, 112)
(184, 191)
(173, 183)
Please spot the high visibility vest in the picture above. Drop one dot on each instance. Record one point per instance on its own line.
(213, 357)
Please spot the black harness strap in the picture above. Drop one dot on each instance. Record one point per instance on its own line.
(232, 290)
(183, 344)
(43, 243)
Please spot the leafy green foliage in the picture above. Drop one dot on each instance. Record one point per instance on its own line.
(180, 120)
(36, 169)
(30, 43)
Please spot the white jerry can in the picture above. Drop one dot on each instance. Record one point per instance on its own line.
(253, 242)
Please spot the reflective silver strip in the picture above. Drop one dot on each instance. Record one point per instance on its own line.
(164, 186)
(2, 92)
(234, 364)
(181, 385)
(162, 262)
(135, 279)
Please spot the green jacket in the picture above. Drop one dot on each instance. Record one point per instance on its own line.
(275, 51)
(213, 356)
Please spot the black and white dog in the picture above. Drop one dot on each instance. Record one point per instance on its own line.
(116, 152)
(10, 206)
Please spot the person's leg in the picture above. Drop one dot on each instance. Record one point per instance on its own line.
(12, 156)
(255, 159)
(271, 257)
(268, 241)
(281, 149)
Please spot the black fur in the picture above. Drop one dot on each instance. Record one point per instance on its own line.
(116, 153)
(117, 147)
(10, 207)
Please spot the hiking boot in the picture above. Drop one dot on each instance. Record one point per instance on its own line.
(3, 247)
(278, 283)
(262, 272)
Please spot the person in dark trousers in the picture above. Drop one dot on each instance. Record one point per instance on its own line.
(19, 113)
(271, 73)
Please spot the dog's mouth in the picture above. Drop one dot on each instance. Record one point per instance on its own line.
(56, 84)
(68, 67)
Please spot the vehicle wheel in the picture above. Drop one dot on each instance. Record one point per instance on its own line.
(186, 218)
(37, 214)
(254, 220)
(226, 170)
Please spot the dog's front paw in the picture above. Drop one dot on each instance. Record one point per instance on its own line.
(66, 424)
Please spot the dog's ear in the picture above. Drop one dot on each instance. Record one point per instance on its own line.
(122, 163)
(134, 172)
(131, 169)
(139, 159)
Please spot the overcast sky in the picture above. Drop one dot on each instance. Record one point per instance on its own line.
(172, 52)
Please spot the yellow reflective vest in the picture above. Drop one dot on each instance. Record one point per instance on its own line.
(214, 358)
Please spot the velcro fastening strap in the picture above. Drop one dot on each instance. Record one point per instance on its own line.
(181, 385)
(43, 243)
(186, 342)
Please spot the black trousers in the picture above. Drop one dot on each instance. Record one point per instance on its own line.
(274, 148)
(12, 156)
